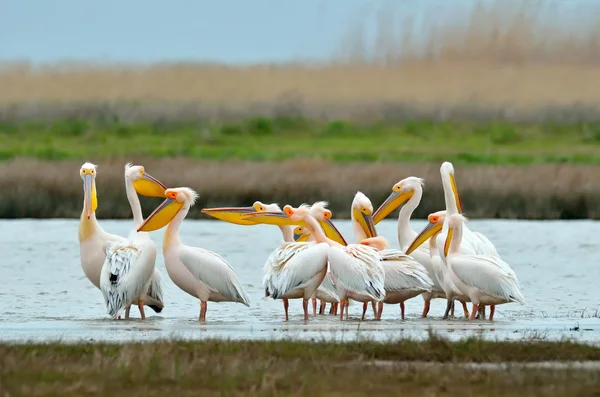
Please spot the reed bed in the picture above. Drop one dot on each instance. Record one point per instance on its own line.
(38, 189)
(286, 368)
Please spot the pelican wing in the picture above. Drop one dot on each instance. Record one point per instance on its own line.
(357, 268)
(403, 272)
(486, 247)
(293, 265)
(489, 274)
(122, 278)
(155, 296)
(215, 272)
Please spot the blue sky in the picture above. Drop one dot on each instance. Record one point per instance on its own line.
(232, 31)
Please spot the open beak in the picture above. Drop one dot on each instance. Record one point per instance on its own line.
(366, 222)
(426, 233)
(394, 200)
(89, 192)
(149, 186)
(455, 192)
(332, 232)
(271, 218)
(161, 216)
(231, 214)
(448, 241)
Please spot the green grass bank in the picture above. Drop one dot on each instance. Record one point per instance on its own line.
(286, 368)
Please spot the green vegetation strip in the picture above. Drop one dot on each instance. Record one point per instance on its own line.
(291, 368)
(277, 139)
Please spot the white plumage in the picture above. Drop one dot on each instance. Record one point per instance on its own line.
(403, 272)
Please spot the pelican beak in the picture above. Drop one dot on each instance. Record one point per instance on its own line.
(300, 237)
(428, 231)
(448, 241)
(89, 192)
(149, 186)
(455, 191)
(278, 218)
(231, 214)
(332, 232)
(394, 200)
(366, 222)
(161, 216)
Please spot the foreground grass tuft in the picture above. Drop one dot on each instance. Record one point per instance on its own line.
(216, 367)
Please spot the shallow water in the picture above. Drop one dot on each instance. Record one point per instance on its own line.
(46, 296)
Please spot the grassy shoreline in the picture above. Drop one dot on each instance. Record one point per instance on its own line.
(53, 189)
(293, 368)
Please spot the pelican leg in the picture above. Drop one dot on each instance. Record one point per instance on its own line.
(426, 307)
(331, 309)
(286, 305)
(374, 306)
(452, 308)
(402, 310)
(314, 305)
(141, 307)
(365, 307)
(492, 311)
(342, 306)
(449, 302)
(335, 308)
(347, 305)
(482, 312)
(465, 309)
(127, 312)
(379, 310)
(474, 312)
(305, 307)
(202, 311)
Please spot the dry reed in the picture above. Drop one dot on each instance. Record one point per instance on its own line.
(39, 189)
(509, 56)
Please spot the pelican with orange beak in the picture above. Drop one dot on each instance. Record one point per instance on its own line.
(94, 241)
(201, 273)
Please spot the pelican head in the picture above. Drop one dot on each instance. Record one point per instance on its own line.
(447, 172)
(90, 201)
(401, 193)
(301, 234)
(323, 215)
(362, 212)
(455, 222)
(436, 221)
(144, 183)
(235, 214)
(177, 198)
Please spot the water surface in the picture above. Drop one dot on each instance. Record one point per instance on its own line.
(46, 296)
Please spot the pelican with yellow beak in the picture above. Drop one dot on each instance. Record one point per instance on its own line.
(93, 240)
(405, 278)
(485, 279)
(407, 194)
(355, 268)
(201, 273)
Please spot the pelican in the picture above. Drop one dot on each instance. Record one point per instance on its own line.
(473, 243)
(94, 241)
(441, 271)
(408, 193)
(486, 279)
(355, 268)
(199, 272)
(405, 278)
(326, 291)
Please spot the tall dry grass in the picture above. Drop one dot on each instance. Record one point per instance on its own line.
(512, 56)
(37, 189)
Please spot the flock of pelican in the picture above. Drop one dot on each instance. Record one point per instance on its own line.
(314, 262)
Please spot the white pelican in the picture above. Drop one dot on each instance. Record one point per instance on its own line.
(326, 291)
(486, 279)
(93, 239)
(441, 271)
(473, 243)
(408, 193)
(405, 278)
(355, 268)
(199, 272)
(235, 215)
